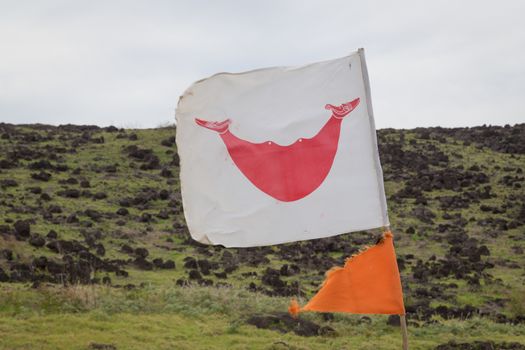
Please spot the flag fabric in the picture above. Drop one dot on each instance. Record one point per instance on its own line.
(369, 283)
(280, 154)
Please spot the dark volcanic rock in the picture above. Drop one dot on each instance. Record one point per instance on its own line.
(158, 262)
(272, 278)
(190, 262)
(3, 276)
(222, 275)
(393, 320)
(55, 209)
(7, 164)
(122, 273)
(100, 250)
(22, 228)
(165, 172)
(143, 264)
(20, 272)
(72, 219)
(424, 214)
(176, 160)
(141, 252)
(8, 183)
(194, 275)
(205, 266)
(122, 212)
(164, 194)
(163, 214)
(6, 254)
(40, 262)
(168, 264)
(480, 345)
(169, 142)
(289, 270)
(37, 240)
(497, 138)
(35, 190)
(85, 184)
(110, 169)
(42, 176)
(126, 249)
(100, 195)
(93, 214)
(284, 323)
(101, 346)
(145, 217)
(69, 193)
(182, 282)
(65, 247)
(5, 229)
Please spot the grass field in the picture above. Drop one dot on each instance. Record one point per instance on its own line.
(109, 215)
(199, 318)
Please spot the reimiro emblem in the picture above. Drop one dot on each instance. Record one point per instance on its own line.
(286, 173)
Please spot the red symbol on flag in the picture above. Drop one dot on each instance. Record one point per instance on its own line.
(286, 173)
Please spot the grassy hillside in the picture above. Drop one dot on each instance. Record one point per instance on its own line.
(95, 254)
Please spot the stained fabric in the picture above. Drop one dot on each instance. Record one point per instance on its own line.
(280, 154)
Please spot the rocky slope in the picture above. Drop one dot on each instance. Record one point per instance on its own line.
(83, 204)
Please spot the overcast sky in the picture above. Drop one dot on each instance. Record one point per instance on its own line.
(125, 63)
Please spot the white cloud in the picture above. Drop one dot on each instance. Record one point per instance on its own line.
(448, 63)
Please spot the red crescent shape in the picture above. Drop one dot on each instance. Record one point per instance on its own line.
(286, 173)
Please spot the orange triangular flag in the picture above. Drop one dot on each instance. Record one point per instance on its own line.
(369, 283)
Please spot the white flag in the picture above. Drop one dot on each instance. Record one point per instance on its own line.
(280, 154)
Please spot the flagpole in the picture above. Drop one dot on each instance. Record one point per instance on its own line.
(404, 331)
(402, 318)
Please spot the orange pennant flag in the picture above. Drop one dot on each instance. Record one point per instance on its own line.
(369, 283)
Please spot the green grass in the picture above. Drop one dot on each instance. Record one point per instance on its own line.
(162, 316)
(198, 318)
